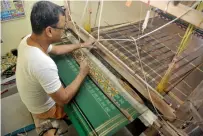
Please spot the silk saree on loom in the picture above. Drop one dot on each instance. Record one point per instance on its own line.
(91, 111)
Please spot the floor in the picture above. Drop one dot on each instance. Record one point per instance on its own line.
(12, 92)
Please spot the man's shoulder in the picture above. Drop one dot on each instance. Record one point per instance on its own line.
(43, 62)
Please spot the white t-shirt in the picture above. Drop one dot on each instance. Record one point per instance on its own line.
(36, 77)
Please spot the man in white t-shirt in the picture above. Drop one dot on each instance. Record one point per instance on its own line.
(37, 75)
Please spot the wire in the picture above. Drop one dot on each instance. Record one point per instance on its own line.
(84, 10)
(72, 19)
(100, 15)
(150, 97)
(97, 13)
(140, 17)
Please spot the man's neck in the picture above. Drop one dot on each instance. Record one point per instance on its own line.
(41, 41)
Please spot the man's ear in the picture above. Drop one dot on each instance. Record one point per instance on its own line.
(49, 31)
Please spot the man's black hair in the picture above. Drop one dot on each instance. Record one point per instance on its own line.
(44, 14)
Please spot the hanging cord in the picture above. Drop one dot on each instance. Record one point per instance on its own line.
(81, 21)
(100, 15)
(97, 13)
(87, 24)
(145, 23)
(166, 8)
(140, 17)
(83, 14)
(144, 74)
(84, 11)
(69, 14)
(154, 14)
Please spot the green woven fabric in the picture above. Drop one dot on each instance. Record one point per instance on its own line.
(100, 113)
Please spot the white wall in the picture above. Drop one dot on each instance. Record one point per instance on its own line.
(14, 114)
(113, 12)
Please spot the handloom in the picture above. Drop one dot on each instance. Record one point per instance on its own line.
(142, 63)
(157, 51)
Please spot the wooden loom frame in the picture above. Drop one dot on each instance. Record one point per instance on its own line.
(194, 17)
(127, 73)
(165, 126)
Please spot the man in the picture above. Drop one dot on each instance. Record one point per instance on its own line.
(37, 75)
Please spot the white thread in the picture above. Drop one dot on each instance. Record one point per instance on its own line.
(97, 13)
(102, 2)
(166, 8)
(140, 17)
(144, 25)
(145, 78)
(83, 14)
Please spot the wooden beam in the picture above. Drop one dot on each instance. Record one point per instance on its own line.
(150, 131)
(162, 128)
(193, 17)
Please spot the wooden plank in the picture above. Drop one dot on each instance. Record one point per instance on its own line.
(131, 91)
(3, 81)
(150, 131)
(193, 17)
(127, 73)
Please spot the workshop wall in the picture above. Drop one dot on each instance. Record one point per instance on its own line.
(12, 31)
(113, 12)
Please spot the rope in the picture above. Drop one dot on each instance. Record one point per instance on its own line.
(102, 2)
(97, 13)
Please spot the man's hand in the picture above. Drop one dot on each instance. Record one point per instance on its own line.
(84, 68)
(65, 95)
(89, 44)
(69, 24)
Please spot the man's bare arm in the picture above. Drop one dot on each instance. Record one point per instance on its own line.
(64, 49)
(65, 95)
